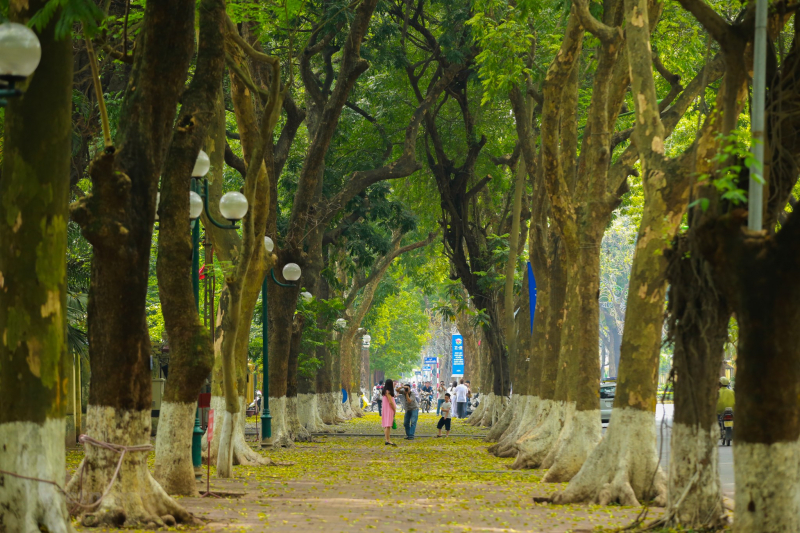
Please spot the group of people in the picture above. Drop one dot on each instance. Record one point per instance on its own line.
(407, 395)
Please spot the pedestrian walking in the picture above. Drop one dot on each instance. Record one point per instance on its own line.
(410, 401)
(379, 393)
(389, 409)
(441, 390)
(444, 422)
(461, 399)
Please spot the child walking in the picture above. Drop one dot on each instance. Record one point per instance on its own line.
(445, 420)
(388, 409)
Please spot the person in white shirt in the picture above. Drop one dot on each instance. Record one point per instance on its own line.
(444, 422)
(461, 399)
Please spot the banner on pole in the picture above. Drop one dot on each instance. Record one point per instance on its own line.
(458, 355)
(210, 430)
(532, 292)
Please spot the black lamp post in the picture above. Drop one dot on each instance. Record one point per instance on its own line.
(233, 206)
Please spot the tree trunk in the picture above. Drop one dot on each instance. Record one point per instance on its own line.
(282, 306)
(191, 349)
(117, 219)
(698, 326)
(34, 193)
(540, 436)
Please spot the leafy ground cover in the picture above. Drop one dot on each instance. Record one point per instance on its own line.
(356, 483)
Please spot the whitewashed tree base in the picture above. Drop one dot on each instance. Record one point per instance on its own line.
(281, 432)
(623, 468)
(522, 424)
(355, 407)
(494, 411)
(173, 467)
(508, 417)
(297, 432)
(328, 410)
(767, 487)
(536, 444)
(243, 454)
(33, 450)
(477, 415)
(581, 433)
(135, 499)
(308, 413)
(694, 496)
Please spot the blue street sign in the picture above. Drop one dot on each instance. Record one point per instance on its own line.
(430, 360)
(426, 368)
(458, 355)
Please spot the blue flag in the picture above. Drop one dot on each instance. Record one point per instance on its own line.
(532, 292)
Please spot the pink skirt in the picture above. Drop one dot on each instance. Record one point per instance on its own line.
(387, 413)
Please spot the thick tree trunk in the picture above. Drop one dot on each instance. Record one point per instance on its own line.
(699, 328)
(579, 361)
(191, 349)
(34, 192)
(117, 219)
(757, 271)
(282, 305)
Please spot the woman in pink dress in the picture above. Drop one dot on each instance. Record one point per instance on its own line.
(388, 410)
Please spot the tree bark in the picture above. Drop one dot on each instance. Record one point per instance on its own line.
(34, 364)
(117, 219)
(191, 350)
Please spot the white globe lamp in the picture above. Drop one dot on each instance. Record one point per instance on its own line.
(20, 51)
(233, 205)
(201, 165)
(195, 205)
(341, 323)
(307, 296)
(291, 272)
(268, 244)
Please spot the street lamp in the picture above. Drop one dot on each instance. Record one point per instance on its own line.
(234, 210)
(307, 296)
(341, 323)
(291, 272)
(20, 53)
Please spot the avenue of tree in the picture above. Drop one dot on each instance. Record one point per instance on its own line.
(412, 157)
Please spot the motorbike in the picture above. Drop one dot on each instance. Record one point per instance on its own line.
(726, 426)
(426, 401)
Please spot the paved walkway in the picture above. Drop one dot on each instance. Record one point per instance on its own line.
(349, 484)
(359, 484)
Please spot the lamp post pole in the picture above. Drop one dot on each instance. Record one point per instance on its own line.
(197, 432)
(235, 208)
(266, 417)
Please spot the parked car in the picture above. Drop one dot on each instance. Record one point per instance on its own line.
(607, 391)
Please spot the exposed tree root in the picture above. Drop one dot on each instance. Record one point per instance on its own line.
(623, 468)
(535, 445)
(134, 499)
(33, 450)
(505, 420)
(329, 411)
(243, 454)
(581, 432)
(477, 415)
(523, 422)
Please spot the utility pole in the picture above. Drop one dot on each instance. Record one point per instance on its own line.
(756, 197)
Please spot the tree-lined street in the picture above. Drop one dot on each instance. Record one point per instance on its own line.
(232, 230)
